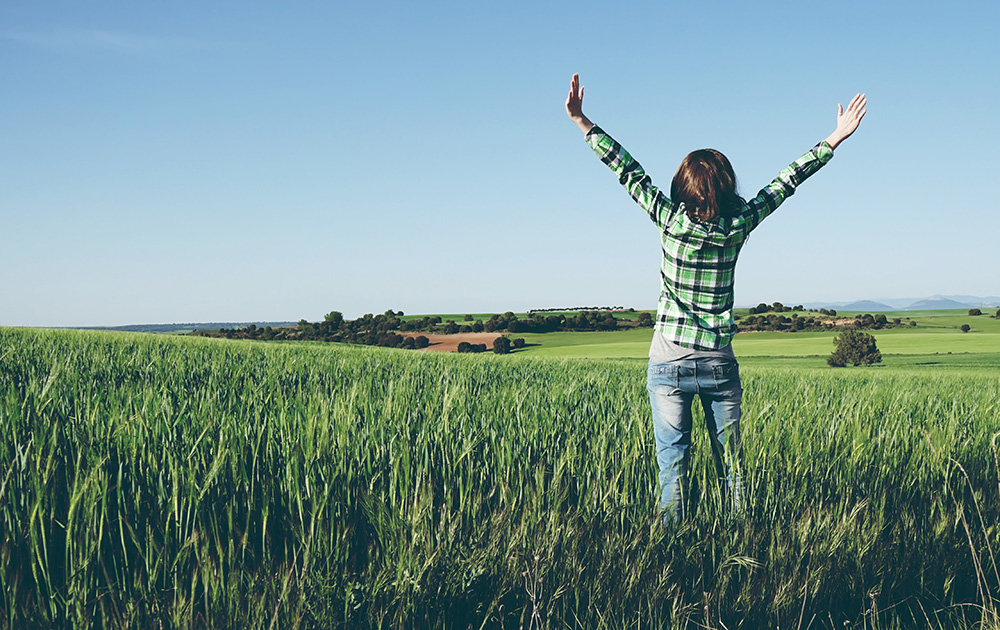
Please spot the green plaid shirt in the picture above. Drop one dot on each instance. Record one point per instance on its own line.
(699, 259)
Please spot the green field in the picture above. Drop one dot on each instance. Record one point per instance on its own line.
(162, 482)
(936, 332)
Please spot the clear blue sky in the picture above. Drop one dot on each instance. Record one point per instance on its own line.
(222, 161)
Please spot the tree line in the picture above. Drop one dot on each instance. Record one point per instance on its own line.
(803, 321)
(375, 330)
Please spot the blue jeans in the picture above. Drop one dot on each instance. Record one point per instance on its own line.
(672, 388)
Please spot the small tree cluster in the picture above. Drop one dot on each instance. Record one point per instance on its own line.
(465, 346)
(777, 307)
(974, 312)
(854, 347)
(773, 321)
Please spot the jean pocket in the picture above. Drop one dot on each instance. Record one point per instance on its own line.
(727, 377)
(661, 375)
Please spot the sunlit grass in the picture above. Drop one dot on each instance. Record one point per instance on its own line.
(188, 483)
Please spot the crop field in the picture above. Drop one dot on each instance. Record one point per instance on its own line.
(165, 482)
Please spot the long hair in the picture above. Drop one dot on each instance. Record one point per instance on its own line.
(706, 184)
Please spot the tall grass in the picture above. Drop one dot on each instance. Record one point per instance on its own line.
(189, 483)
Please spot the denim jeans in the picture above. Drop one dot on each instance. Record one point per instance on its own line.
(672, 389)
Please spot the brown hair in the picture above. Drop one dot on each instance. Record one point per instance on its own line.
(706, 184)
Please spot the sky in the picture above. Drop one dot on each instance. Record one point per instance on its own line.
(259, 161)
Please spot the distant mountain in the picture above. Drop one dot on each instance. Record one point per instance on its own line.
(866, 305)
(972, 300)
(935, 304)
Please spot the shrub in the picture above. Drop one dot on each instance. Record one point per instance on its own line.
(854, 347)
(519, 343)
(501, 345)
(422, 342)
(966, 328)
(975, 311)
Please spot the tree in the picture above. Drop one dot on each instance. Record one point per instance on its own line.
(464, 346)
(468, 318)
(501, 345)
(334, 318)
(854, 347)
(518, 343)
(421, 342)
(975, 311)
(966, 328)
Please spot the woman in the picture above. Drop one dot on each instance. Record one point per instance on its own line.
(703, 224)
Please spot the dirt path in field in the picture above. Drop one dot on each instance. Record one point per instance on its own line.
(449, 343)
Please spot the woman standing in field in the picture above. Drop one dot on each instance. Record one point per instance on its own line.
(703, 225)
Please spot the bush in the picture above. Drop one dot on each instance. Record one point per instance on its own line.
(975, 311)
(519, 343)
(854, 347)
(464, 346)
(421, 342)
(501, 345)
(966, 328)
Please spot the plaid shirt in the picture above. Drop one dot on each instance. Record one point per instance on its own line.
(699, 259)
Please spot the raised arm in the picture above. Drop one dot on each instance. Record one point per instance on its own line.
(784, 185)
(847, 122)
(574, 105)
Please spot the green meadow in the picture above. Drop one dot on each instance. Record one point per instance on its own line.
(936, 332)
(170, 482)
